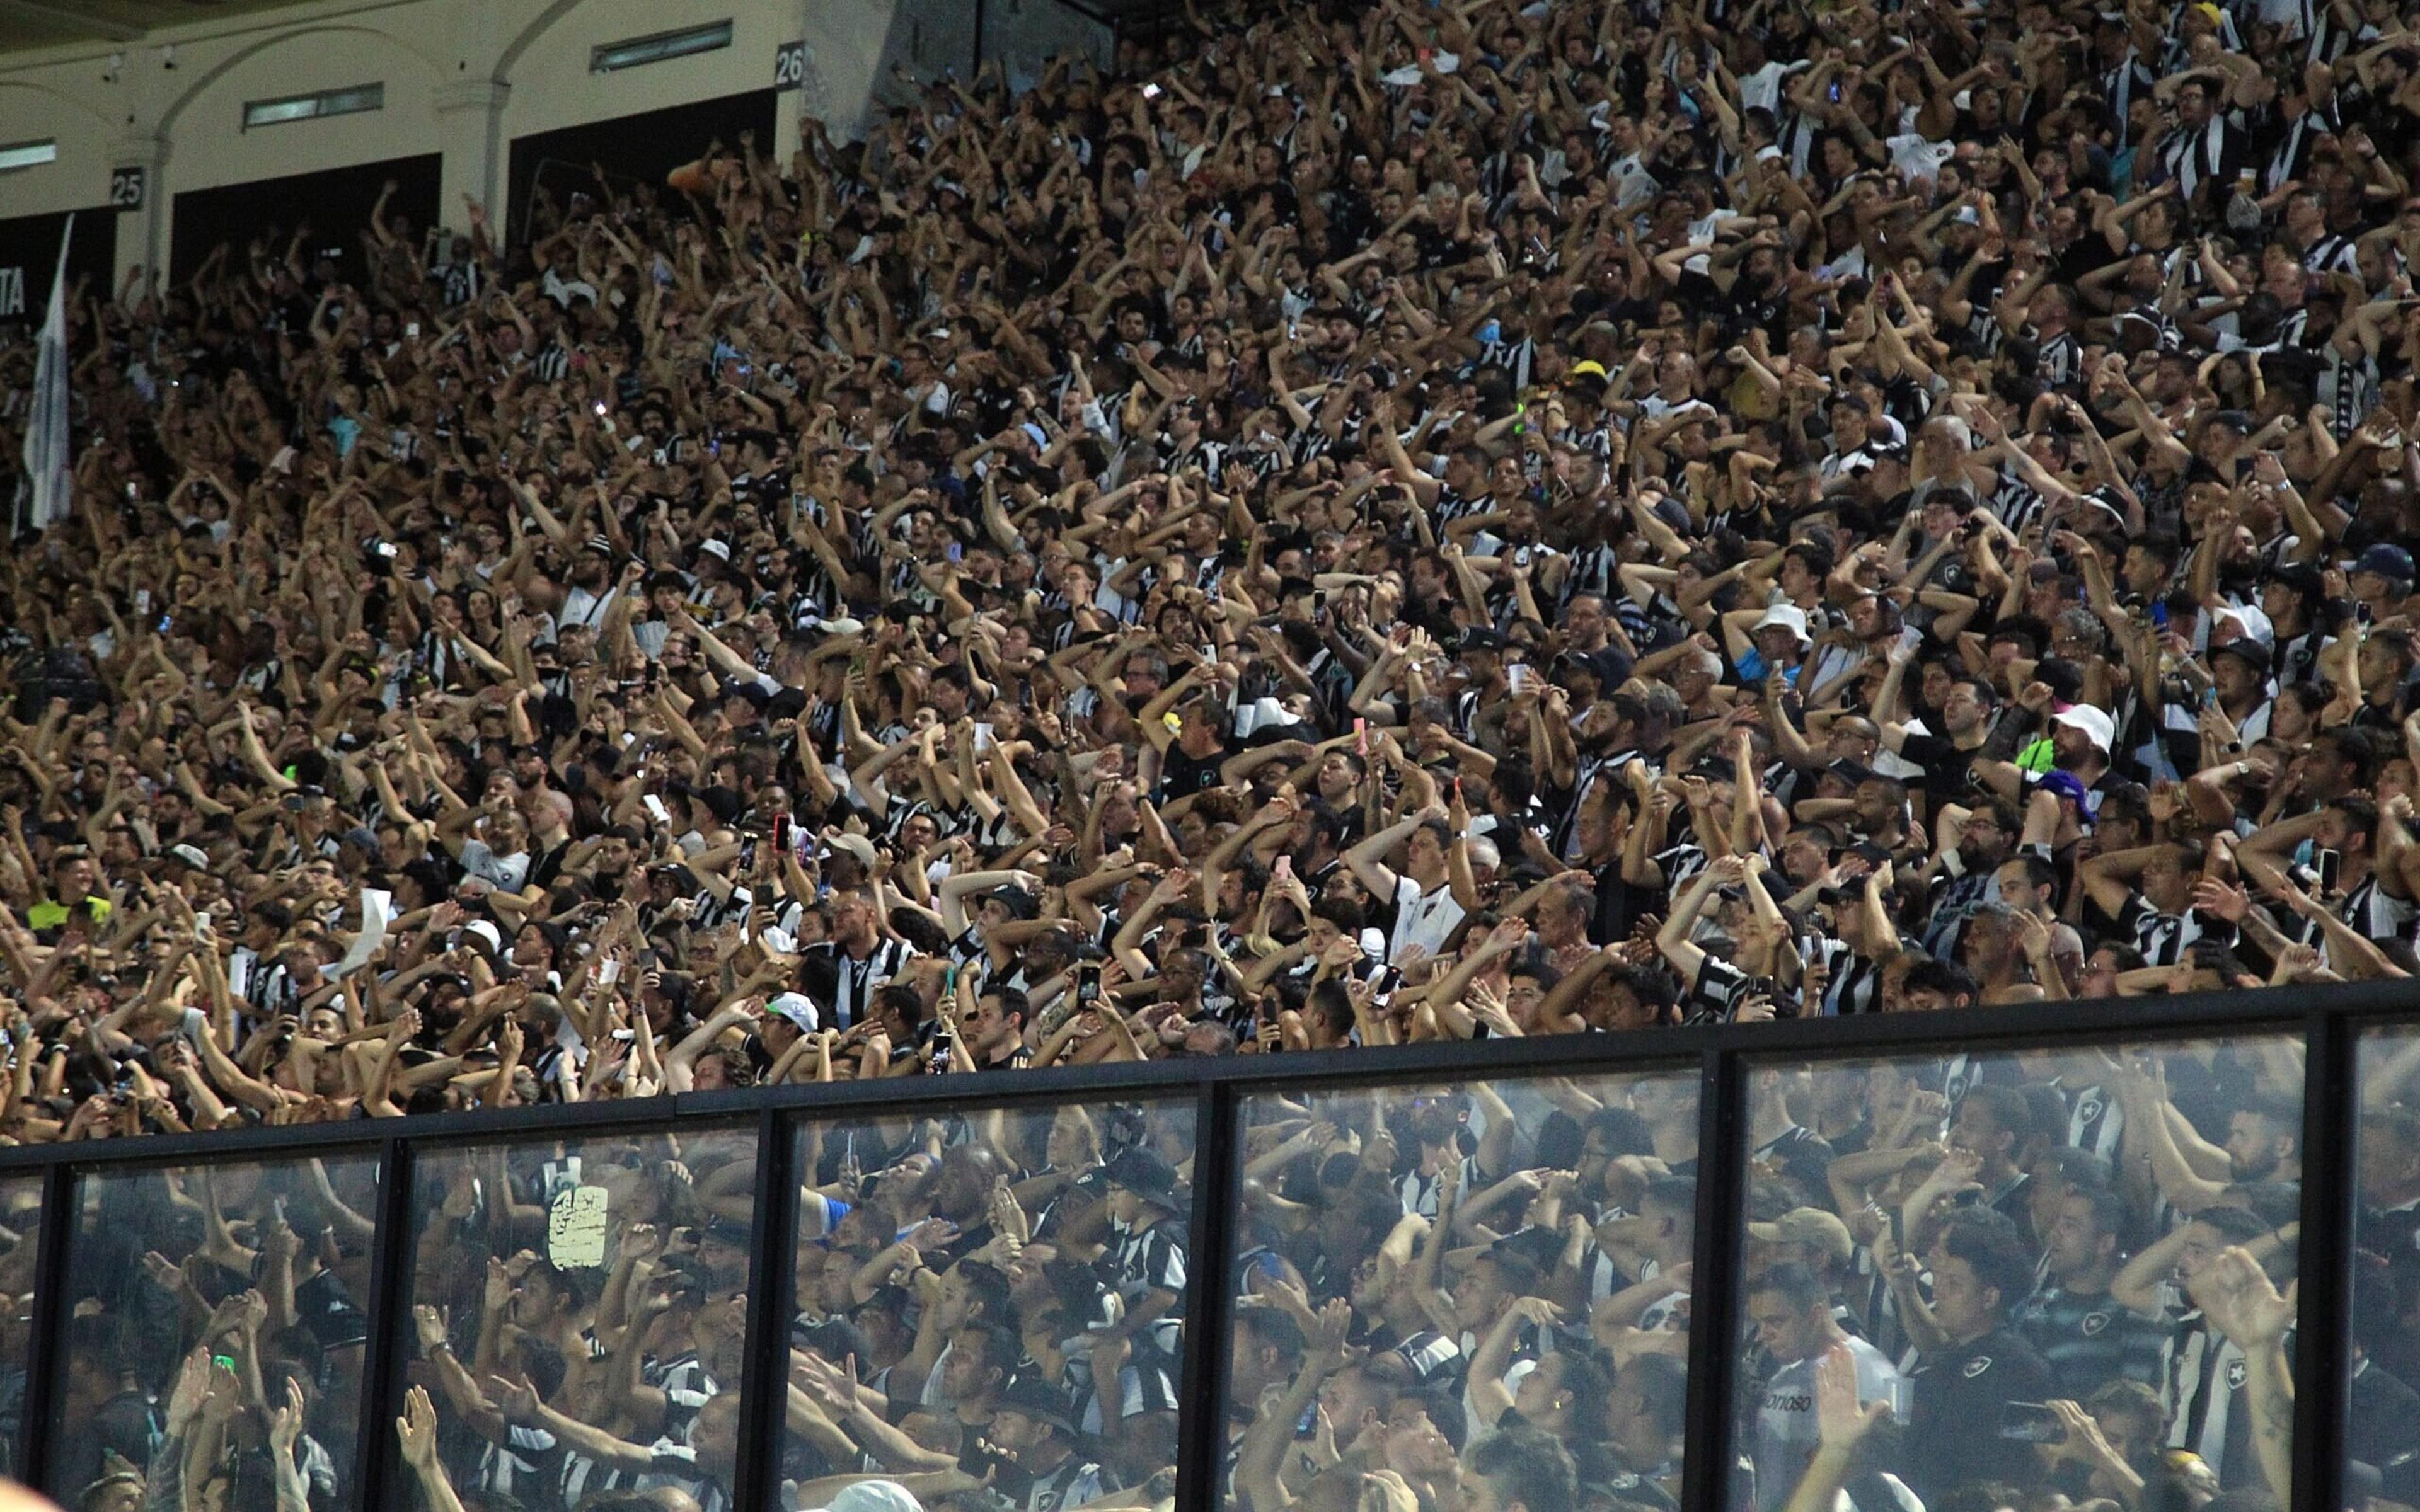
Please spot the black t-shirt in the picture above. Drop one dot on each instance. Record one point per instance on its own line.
(2088, 255)
(324, 1306)
(1182, 775)
(1612, 311)
(123, 1426)
(1609, 1474)
(1799, 1153)
(2383, 1413)
(1594, 1460)
(548, 866)
(1619, 906)
(1961, 1407)
(1945, 767)
(1754, 307)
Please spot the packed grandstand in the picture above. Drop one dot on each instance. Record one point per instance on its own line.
(1360, 526)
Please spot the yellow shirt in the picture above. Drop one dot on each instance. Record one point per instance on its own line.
(51, 914)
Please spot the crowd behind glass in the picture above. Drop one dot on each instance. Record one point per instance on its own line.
(1356, 526)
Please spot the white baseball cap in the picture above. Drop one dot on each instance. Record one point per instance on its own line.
(875, 1496)
(2094, 723)
(797, 1008)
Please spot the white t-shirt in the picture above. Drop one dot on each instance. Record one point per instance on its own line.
(1918, 158)
(1425, 919)
(581, 607)
(1785, 1437)
(1633, 185)
(505, 872)
(1704, 231)
(1763, 86)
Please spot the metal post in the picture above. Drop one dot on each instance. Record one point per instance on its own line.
(46, 1340)
(2322, 1351)
(1714, 1306)
(1210, 1263)
(386, 1355)
(772, 1280)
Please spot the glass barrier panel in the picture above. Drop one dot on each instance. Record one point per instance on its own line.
(2382, 1420)
(990, 1305)
(579, 1315)
(1446, 1284)
(215, 1333)
(20, 1240)
(2046, 1278)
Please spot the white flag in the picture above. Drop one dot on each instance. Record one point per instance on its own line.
(47, 491)
(374, 915)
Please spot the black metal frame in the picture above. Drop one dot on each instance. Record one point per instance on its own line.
(2330, 1022)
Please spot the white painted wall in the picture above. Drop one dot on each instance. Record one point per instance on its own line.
(29, 113)
(204, 123)
(463, 77)
(552, 87)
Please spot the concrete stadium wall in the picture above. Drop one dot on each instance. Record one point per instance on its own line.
(464, 79)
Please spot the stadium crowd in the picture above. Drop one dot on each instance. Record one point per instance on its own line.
(1358, 525)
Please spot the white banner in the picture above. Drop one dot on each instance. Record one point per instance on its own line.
(375, 907)
(47, 491)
